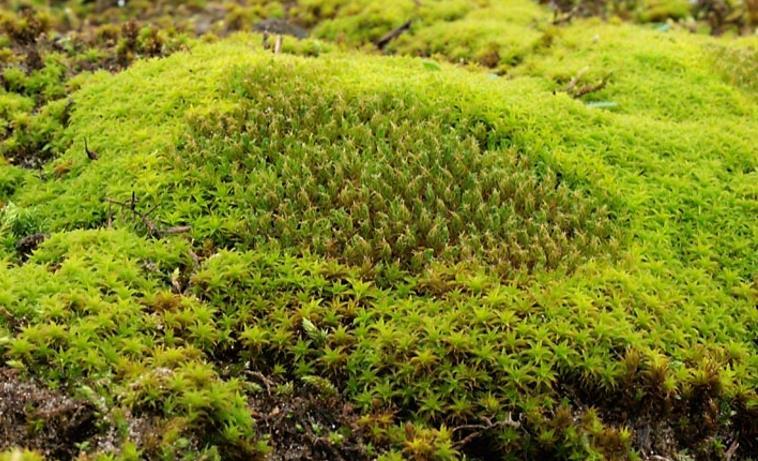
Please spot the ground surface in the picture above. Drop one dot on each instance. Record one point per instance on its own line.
(501, 232)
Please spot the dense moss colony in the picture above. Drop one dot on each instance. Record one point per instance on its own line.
(497, 238)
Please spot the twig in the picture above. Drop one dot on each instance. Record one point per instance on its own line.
(91, 154)
(176, 230)
(117, 202)
(393, 34)
(262, 378)
(110, 215)
(575, 92)
(565, 18)
(266, 44)
(278, 44)
(575, 80)
(153, 229)
(732, 449)
(481, 428)
(590, 88)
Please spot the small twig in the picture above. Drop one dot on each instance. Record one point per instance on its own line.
(153, 229)
(481, 428)
(176, 230)
(566, 18)
(262, 378)
(91, 154)
(116, 202)
(575, 80)
(578, 92)
(278, 44)
(732, 449)
(150, 211)
(393, 34)
(266, 44)
(591, 88)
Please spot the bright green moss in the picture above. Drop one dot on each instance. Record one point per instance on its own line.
(16, 223)
(738, 64)
(10, 179)
(358, 22)
(86, 301)
(659, 74)
(44, 84)
(499, 34)
(34, 138)
(494, 34)
(14, 78)
(556, 224)
(20, 455)
(661, 10)
(289, 163)
(485, 352)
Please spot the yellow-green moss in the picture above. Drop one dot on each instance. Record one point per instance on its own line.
(661, 10)
(20, 455)
(657, 319)
(493, 34)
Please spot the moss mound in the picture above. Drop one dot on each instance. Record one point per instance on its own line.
(539, 266)
(378, 174)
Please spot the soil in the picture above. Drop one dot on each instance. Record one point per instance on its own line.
(26, 246)
(36, 418)
(299, 427)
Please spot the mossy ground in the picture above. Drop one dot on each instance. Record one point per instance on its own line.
(547, 254)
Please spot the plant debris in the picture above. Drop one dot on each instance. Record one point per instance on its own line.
(309, 426)
(40, 419)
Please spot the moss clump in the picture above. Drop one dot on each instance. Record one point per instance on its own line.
(662, 74)
(33, 139)
(20, 455)
(11, 178)
(497, 36)
(661, 10)
(390, 178)
(41, 57)
(88, 301)
(303, 267)
(493, 34)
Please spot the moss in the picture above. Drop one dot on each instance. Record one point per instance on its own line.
(32, 140)
(662, 74)
(249, 148)
(10, 180)
(20, 455)
(13, 106)
(537, 264)
(89, 301)
(439, 200)
(661, 10)
(737, 63)
(358, 22)
(491, 33)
